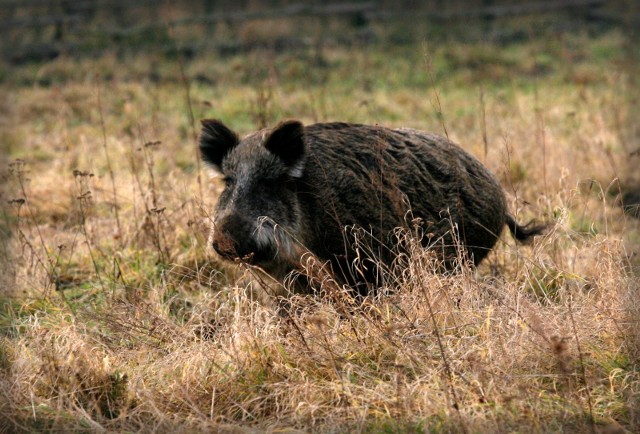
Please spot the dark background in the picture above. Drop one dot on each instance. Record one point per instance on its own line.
(35, 30)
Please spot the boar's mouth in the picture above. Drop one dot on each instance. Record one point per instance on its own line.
(241, 249)
(262, 242)
(247, 252)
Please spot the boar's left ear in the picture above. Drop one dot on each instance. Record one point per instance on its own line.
(286, 141)
(216, 140)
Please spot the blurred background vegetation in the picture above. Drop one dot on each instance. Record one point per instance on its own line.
(35, 30)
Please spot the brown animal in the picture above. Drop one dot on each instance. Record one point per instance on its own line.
(296, 189)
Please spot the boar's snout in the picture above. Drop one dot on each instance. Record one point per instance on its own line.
(232, 239)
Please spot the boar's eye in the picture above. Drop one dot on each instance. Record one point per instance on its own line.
(281, 183)
(270, 183)
(229, 181)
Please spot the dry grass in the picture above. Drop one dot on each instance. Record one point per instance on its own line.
(116, 317)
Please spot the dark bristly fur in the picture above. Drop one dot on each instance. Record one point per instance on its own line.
(297, 189)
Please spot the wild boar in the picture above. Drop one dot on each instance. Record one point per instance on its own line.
(295, 189)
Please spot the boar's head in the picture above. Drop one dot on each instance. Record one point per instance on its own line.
(257, 219)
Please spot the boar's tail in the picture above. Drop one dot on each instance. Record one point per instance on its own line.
(524, 233)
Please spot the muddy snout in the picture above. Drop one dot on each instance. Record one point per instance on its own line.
(233, 238)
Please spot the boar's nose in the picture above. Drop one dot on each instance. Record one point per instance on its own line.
(232, 238)
(223, 244)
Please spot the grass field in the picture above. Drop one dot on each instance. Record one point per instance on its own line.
(116, 317)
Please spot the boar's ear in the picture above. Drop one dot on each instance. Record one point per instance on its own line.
(287, 142)
(216, 140)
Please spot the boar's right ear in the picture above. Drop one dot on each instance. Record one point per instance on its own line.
(216, 140)
(286, 141)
